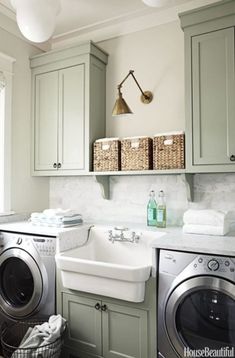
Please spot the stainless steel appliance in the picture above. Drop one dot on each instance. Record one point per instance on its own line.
(196, 303)
(27, 276)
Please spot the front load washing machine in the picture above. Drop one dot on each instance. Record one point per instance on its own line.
(27, 276)
(196, 305)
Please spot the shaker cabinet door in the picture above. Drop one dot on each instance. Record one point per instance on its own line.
(213, 98)
(84, 324)
(72, 117)
(46, 121)
(124, 332)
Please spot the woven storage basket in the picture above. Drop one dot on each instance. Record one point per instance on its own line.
(168, 151)
(136, 153)
(107, 154)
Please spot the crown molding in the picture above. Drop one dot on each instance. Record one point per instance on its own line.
(105, 30)
(125, 25)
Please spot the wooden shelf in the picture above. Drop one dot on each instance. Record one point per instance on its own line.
(140, 172)
(102, 178)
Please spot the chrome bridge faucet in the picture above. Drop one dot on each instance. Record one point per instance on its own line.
(119, 236)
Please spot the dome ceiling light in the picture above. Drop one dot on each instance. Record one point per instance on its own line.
(158, 3)
(36, 18)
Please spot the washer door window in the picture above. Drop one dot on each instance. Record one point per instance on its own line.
(200, 313)
(20, 283)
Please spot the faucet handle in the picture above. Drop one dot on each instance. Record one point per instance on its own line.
(135, 237)
(121, 228)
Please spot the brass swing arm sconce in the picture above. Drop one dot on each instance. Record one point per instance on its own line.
(121, 107)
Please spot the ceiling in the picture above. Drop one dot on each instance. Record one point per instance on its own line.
(84, 16)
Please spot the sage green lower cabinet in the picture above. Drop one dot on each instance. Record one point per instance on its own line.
(124, 332)
(84, 332)
(104, 327)
(112, 331)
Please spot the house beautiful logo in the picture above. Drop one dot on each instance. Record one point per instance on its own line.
(207, 352)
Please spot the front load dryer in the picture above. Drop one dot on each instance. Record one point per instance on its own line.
(196, 305)
(27, 276)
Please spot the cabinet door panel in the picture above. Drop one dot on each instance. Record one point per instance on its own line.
(213, 97)
(84, 324)
(124, 332)
(72, 117)
(46, 120)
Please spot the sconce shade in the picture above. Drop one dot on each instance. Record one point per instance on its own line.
(121, 107)
(36, 18)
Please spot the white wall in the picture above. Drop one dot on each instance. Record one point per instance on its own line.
(28, 193)
(157, 57)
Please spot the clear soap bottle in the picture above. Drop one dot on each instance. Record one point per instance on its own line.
(161, 210)
(152, 210)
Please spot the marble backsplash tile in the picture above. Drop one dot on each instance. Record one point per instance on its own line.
(129, 196)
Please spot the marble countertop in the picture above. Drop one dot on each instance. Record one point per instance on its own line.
(176, 240)
(67, 238)
(25, 227)
(173, 238)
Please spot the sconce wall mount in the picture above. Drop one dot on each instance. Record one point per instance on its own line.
(121, 107)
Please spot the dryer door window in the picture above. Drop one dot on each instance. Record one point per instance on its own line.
(200, 313)
(17, 283)
(21, 285)
(206, 318)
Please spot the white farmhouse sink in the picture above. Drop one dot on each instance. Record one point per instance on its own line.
(118, 269)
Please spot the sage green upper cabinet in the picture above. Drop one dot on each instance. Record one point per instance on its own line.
(68, 102)
(210, 87)
(46, 116)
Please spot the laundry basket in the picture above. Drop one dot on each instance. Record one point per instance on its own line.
(12, 336)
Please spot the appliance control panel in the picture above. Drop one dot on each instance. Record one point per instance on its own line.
(213, 264)
(46, 246)
(185, 264)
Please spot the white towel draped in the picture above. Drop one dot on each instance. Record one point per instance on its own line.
(41, 335)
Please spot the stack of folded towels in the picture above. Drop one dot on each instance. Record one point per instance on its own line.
(56, 218)
(208, 222)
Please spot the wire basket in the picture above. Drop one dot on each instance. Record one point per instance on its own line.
(12, 336)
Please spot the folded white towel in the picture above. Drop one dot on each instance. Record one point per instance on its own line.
(206, 229)
(56, 224)
(60, 212)
(41, 335)
(56, 218)
(205, 217)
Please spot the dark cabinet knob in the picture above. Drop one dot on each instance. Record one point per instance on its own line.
(54, 165)
(104, 308)
(59, 165)
(97, 306)
(232, 158)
